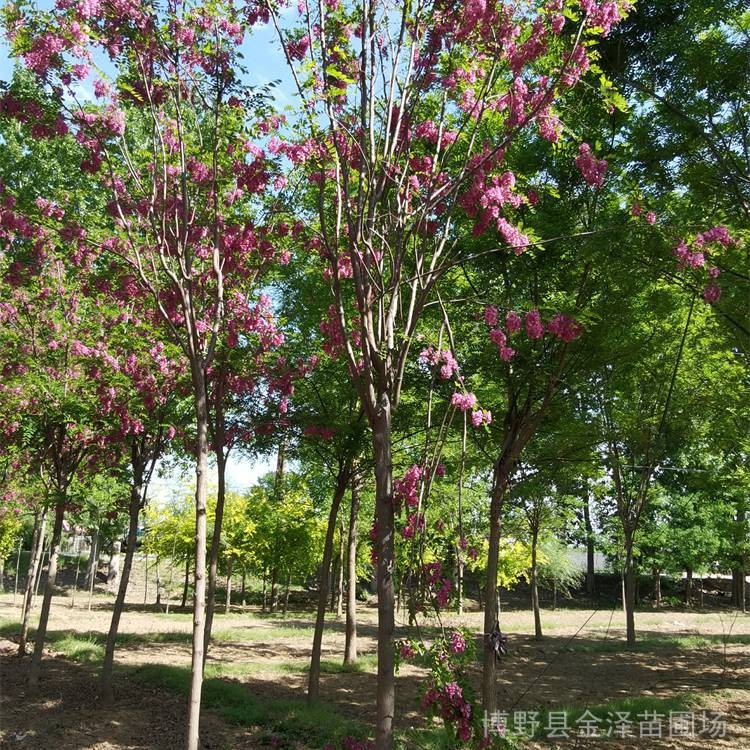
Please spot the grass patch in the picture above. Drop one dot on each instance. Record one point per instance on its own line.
(656, 643)
(364, 664)
(82, 648)
(289, 720)
(262, 633)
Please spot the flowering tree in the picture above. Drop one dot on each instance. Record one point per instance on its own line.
(407, 114)
(169, 140)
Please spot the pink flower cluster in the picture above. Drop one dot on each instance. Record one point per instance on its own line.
(444, 357)
(406, 489)
(463, 401)
(452, 706)
(591, 168)
(457, 642)
(564, 328)
(414, 523)
(695, 258)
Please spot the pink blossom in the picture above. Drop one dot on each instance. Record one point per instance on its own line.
(491, 315)
(513, 322)
(534, 325)
(457, 642)
(591, 168)
(712, 293)
(651, 217)
(463, 401)
(565, 328)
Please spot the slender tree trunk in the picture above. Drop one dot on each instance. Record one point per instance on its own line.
(700, 590)
(384, 548)
(18, 568)
(228, 602)
(242, 591)
(265, 591)
(199, 568)
(340, 564)
(113, 574)
(350, 647)
(213, 563)
(491, 608)
(313, 682)
(286, 593)
(535, 589)
(92, 566)
(49, 588)
(134, 510)
(145, 578)
(689, 586)
(657, 587)
(272, 602)
(554, 595)
(37, 545)
(158, 584)
(186, 584)
(2, 574)
(590, 560)
(629, 591)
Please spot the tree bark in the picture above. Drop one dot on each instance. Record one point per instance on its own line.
(535, 589)
(340, 580)
(286, 593)
(228, 602)
(113, 574)
(49, 588)
(37, 545)
(186, 584)
(313, 682)
(134, 510)
(350, 647)
(491, 609)
(386, 688)
(590, 558)
(92, 567)
(689, 586)
(199, 568)
(213, 563)
(629, 591)
(657, 587)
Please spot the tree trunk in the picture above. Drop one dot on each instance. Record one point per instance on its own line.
(535, 589)
(590, 559)
(657, 587)
(689, 586)
(37, 545)
(350, 647)
(92, 566)
(272, 602)
(265, 592)
(491, 608)
(340, 581)
(313, 682)
(213, 563)
(554, 594)
(199, 568)
(41, 632)
(228, 602)
(134, 510)
(286, 593)
(186, 584)
(629, 591)
(2, 574)
(113, 574)
(242, 590)
(700, 591)
(384, 546)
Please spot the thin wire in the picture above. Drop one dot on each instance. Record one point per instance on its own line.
(552, 661)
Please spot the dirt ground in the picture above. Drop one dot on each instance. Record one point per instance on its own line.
(578, 663)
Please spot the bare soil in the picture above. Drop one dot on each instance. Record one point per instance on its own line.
(574, 665)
